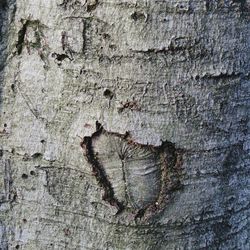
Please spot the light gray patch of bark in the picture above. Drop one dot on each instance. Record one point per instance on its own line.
(162, 70)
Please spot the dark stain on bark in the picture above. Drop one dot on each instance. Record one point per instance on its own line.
(7, 13)
(37, 155)
(108, 94)
(138, 16)
(21, 36)
(64, 4)
(25, 176)
(92, 5)
(183, 7)
(221, 76)
(3, 4)
(64, 40)
(84, 36)
(60, 57)
(131, 105)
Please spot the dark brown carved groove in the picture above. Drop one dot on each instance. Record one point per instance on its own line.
(98, 170)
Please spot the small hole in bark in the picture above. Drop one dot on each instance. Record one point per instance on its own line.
(5, 125)
(26, 157)
(17, 247)
(32, 172)
(12, 87)
(24, 176)
(106, 36)
(42, 141)
(24, 221)
(108, 93)
(60, 57)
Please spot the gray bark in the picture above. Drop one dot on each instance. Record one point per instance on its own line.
(124, 124)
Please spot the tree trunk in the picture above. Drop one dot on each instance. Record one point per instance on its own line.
(125, 124)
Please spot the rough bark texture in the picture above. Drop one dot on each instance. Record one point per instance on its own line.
(174, 72)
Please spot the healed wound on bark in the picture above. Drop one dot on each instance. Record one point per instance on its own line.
(134, 177)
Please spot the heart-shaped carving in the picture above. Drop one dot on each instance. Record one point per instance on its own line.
(135, 177)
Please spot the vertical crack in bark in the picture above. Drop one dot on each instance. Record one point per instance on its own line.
(21, 37)
(7, 13)
(124, 177)
(84, 36)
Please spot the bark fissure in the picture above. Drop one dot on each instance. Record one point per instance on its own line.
(21, 36)
(124, 177)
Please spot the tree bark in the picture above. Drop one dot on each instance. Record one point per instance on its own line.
(125, 124)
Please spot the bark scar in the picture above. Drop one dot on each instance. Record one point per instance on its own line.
(150, 174)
